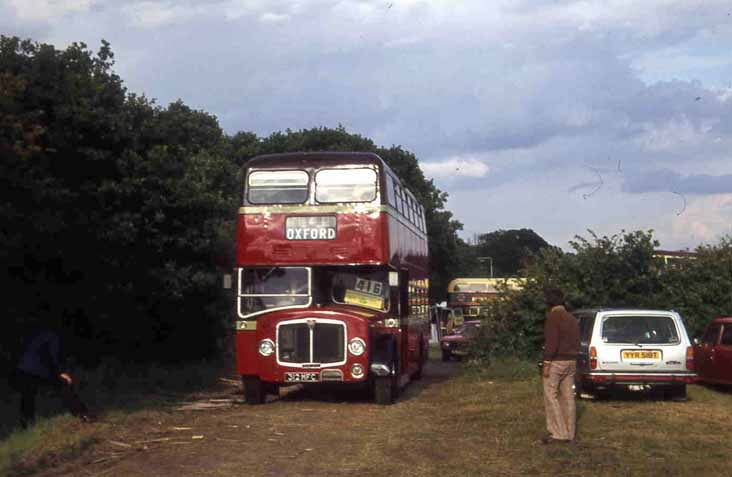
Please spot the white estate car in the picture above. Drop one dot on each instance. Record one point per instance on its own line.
(633, 349)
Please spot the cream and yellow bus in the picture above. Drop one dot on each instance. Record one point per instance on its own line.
(471, 295)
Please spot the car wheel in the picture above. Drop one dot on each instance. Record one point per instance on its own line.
(445, 355)
(600, 394)
(253, 390)
(677, 393)
(581, 390)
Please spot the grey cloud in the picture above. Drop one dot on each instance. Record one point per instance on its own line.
(565, 99)
(666, 180)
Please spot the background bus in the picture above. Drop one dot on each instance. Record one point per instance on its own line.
(471, 295)
(332, 273)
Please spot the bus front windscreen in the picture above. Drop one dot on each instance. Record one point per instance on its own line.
(263, 289)
(367, 289)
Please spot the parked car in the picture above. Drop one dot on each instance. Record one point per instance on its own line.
(634, 350)
(458, 342)
(713, 352)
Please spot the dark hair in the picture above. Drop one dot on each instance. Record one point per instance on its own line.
(553, 296)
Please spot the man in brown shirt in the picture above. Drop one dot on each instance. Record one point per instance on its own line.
(561, 345)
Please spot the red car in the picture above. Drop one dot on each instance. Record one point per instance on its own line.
(458, 343)
(713, 353)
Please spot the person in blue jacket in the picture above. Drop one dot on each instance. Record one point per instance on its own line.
(41, 365)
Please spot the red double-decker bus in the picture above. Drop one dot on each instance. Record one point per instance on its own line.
(332, 271)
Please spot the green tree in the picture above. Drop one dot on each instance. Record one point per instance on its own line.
(113, 206)
(508, 250)
(702, 288)
(618, 271)
(615, 271)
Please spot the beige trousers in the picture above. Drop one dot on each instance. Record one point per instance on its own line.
(561, 413)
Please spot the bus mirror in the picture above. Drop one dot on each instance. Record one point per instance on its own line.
(393, 279)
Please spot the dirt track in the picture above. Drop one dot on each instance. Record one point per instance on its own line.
(302, 433)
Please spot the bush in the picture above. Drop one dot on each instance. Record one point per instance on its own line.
(608, 272)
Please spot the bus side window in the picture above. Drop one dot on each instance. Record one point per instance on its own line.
(390, 191)
(404, 297)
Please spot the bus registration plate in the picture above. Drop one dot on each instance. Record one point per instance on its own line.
(301, 377)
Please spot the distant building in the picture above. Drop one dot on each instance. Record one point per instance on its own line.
(672, 260)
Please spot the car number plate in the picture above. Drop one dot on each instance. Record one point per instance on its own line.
(638, 354)
(301, 377)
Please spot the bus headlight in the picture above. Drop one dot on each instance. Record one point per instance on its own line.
(357, 346)
(266, 347)
(357, 371)
(391, 323)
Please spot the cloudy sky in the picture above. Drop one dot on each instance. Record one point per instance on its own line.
(554, 115)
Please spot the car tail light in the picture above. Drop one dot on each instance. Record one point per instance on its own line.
(593, 357)
(690, 358)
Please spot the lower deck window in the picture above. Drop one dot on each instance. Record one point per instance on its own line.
(269, 288)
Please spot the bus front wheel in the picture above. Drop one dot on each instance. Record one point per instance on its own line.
(253, 390)
(385, 390)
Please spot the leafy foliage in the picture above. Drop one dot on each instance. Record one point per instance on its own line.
(610, 272)
(507, 251)
(112, 206)
(117, 214)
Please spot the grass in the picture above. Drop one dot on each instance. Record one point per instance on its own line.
(116, 390)
(496, 417)
(480, 421)
(489, 422)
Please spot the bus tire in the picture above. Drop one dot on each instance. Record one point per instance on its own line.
(253, 390)
(384, 390)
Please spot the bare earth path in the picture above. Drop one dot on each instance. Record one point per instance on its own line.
(302, 433)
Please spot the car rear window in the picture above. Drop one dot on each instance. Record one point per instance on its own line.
(639, 330)
(711, 335)
(726, 335)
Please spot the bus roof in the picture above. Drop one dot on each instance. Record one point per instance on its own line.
(303, 160)
(306, 159)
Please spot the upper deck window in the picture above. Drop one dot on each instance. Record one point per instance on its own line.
(400, 200)
(391, 191)
(345, 185)
(278, 187)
